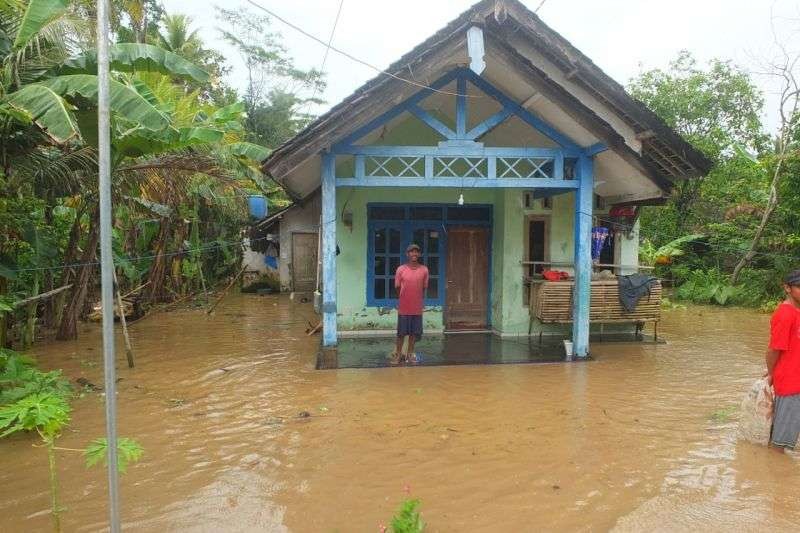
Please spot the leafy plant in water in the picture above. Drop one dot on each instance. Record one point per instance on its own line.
(722, 415)
(47, 414)
(708, 287)
(408, 519)
(128, 451)
(20, 378)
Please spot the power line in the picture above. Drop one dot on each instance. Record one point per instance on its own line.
(325, 56)
(352, 57)
(186, 251)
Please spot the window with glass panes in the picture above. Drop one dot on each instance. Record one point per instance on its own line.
(392, 227)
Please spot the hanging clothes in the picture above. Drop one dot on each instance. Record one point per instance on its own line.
(271, 256)
(599, 236)
(633, 288)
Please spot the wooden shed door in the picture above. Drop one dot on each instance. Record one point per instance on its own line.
(466, 303)
(304, 262)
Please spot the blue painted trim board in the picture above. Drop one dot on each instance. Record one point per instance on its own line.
(461, 107)
(434, 123)
(489, 124)
(329, 334)
(454, 150)
(468, 182)
(581, 300)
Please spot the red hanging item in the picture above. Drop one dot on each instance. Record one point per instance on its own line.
(554, 275)
(622, 211)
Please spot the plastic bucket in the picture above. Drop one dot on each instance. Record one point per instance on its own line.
(257, 205)
(568, 347)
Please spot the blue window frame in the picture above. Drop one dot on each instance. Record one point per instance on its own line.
(392, 227)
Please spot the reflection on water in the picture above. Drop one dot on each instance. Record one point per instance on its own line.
(221, 405)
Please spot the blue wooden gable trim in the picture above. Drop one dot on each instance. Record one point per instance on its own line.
(461, 106)
(489, 124)
(432, 121)
(525, 115)
(462, 76)
(395, 111)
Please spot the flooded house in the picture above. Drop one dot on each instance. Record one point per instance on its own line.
(497, 147)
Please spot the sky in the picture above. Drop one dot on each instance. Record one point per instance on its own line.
(621, 36)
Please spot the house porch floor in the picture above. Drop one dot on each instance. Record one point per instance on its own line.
(455, 349)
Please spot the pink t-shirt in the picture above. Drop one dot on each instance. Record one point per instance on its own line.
(411, 283)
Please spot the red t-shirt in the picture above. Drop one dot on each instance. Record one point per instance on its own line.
(412, 283)
(785, 337)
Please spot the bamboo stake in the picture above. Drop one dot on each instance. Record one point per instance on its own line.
(41, 296)
(225, 292)
(203, 281)
(30, 323)
(137, 289)
(128, 347)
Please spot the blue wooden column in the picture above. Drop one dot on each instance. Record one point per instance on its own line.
(584, 197)
(328, 230)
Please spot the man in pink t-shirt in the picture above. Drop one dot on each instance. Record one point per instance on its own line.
(411, 281)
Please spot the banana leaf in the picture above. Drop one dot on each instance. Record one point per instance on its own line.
(133, 57)
(44, 101)
(138, 143)
(38, 14)
(251, 151)
(48, 109)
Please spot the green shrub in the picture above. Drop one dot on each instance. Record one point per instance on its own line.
(20, 378)
(708, 287)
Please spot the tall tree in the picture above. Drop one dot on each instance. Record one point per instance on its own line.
(786, 145)
(275, 86)
(715, 109)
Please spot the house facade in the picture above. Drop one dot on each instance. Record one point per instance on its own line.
(493, 145)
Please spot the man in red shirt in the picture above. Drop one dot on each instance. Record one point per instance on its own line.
(783, 364)
(411, 281)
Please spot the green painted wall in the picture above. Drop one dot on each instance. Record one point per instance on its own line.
(509, 310)
(351, 264)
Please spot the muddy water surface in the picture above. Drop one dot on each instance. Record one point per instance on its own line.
(642, 438)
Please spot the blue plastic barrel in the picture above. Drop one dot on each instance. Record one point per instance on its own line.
(258, 206)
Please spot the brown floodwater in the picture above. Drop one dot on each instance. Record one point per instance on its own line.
(642, 438)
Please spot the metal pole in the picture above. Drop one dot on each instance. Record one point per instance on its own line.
(107, 260)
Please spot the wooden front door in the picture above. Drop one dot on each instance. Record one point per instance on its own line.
(304, 262)
(467, 300)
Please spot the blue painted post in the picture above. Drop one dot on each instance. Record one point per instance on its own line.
(328, 229)
(461, 107)
(584, 196)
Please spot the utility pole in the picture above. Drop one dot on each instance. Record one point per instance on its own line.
(106, 258)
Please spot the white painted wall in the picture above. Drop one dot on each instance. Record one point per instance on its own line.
(301, 219)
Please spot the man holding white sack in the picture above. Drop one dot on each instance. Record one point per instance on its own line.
(783, 364)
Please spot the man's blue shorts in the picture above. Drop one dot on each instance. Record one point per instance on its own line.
(409, 325)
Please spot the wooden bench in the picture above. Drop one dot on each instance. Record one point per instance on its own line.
(551, 303)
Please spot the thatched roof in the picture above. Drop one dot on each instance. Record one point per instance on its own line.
(519, 39)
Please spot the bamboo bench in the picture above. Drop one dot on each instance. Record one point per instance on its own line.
(551, 303)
